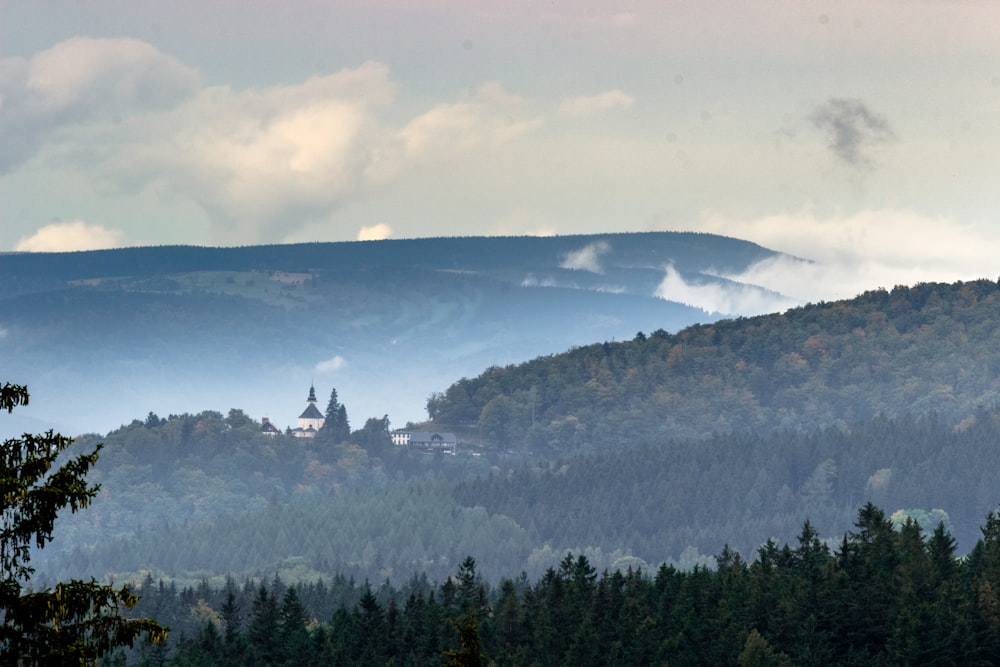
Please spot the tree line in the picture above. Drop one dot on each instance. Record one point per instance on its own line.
(884, 594)
(251, 511)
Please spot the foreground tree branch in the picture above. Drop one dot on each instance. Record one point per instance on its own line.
(75, 622)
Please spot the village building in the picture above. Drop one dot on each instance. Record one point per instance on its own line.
(435, 442)
(268, 428)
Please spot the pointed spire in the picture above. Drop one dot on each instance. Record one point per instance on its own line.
(312, 394)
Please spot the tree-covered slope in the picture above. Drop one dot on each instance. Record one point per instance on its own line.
(202, 496)
(885, 594)
(913, 349)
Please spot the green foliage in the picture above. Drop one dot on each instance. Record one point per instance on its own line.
(306, 510)
(931, 347)
(336, 428)
(469, 655)
(75, 622)
(885, 597)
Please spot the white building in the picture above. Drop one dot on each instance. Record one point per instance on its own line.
(436, 442)
(311, 420)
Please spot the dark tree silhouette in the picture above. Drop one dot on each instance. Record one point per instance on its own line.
(76, 622)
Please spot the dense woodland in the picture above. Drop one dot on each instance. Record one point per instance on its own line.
(355, 505)
(643, 458)
(931, 347)
(253, 505)
(883, 595)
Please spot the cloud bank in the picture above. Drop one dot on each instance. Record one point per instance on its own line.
(262, 163)
(82, 81)
(850, 255)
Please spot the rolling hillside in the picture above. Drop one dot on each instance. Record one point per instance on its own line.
(931, 347)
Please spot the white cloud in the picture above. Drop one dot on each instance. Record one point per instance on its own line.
(593, 104)
(487, 122)
(263, 164)
(721, 298)
(81, 81)
(531, 281)
(70, 236)
(586, 258)
(331, 365)
(377, 232)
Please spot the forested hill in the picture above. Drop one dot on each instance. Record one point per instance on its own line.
(931, 347)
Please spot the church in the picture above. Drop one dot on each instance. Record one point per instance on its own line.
(311, 420)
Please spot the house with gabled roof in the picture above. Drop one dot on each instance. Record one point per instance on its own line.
(267, 427)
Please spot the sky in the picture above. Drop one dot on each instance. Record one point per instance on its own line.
(861, 135)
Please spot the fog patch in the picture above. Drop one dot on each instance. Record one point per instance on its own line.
(586, 258)
(721, 298)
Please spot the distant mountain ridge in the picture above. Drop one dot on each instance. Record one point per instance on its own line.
(102, 336)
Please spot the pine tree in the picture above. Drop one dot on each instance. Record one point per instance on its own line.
(263, 630)
(336, 428)
(293, 638)
(470, 654)
(77, 621)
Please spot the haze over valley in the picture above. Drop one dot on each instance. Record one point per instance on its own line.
(181, 329)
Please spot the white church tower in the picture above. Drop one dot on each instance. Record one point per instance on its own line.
(311, 420)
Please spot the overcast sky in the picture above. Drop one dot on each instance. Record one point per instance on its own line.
(863, 135)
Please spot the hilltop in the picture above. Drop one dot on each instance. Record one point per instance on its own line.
(927, 348)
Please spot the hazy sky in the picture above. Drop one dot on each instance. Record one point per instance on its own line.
(864, 135)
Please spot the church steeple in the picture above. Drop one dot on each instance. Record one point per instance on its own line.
(311, 420)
